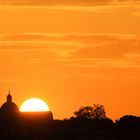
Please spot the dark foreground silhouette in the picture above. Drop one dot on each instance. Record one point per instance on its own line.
(127, 127)
(90, 123)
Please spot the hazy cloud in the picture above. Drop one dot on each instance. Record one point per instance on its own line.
(63, 2)
(53, 2)
(98, 56)
(83, 50)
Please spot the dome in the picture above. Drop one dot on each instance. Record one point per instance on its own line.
(9, 106)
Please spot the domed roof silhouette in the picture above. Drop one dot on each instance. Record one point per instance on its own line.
(9, 106)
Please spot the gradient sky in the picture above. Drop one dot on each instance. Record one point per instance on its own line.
(71, 53)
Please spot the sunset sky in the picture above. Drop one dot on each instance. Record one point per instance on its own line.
(71, 53)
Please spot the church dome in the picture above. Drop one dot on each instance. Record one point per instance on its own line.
(9, 106)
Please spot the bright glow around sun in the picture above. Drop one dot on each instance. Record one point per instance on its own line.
(34, 105)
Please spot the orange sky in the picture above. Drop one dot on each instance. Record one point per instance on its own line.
(70, 54)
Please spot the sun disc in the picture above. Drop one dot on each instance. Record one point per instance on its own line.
(34, 105)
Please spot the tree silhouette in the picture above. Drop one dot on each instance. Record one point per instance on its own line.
(96, 111)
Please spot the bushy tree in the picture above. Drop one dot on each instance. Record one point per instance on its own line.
(96, 111)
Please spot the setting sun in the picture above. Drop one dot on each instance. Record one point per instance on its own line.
(34, 105)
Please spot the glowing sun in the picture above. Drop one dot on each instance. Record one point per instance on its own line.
(34, 105)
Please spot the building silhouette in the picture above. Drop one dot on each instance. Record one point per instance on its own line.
(9, 107)
(9, 111)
